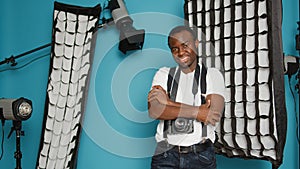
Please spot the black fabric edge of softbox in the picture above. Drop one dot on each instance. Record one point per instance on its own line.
(275, 22)
(96, 10)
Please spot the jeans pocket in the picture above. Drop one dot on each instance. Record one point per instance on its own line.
(206, 157)
(160, 160)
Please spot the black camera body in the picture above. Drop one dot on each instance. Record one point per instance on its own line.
(179, 126)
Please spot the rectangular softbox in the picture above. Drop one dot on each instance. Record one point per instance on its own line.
(243, 39)
(73, 42)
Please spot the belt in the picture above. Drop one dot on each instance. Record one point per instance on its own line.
(187, 149)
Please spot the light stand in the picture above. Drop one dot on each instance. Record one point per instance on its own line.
(17, 126)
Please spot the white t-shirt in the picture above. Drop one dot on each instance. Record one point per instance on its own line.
(214, 85)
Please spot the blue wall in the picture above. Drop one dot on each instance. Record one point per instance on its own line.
(117, 132)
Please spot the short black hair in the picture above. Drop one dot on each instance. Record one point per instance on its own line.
(180, 28)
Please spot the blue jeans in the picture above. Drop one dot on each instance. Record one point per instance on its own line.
(172, 159)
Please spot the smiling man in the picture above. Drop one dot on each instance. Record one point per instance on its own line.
(188, 100)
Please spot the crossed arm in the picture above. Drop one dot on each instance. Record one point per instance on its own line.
(161, 107)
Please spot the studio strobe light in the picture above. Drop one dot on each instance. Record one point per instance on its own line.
(15, 109)
(130, 38)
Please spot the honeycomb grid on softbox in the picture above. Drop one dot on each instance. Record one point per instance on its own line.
(243, 39)
(73, 43)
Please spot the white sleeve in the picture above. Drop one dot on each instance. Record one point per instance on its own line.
(161, 78)
(215, 82)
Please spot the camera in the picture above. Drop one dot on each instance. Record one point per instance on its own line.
(180, 126)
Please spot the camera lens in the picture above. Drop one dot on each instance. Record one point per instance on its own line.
(181, 124)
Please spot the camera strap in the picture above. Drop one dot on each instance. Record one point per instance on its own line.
(172, 91)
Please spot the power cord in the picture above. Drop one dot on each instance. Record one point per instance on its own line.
(291, 67)
(295, 109)
(2, 140)
(26, 64)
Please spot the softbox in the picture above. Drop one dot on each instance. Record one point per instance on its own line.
(73, 42)
(243, 39)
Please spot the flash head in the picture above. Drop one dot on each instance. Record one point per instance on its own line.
(130, 38)
(15, 109)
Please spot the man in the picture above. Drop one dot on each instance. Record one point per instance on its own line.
(188, 100)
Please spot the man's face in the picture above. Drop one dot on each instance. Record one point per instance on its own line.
(184, 50)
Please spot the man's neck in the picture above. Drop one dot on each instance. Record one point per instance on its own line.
(189, 69)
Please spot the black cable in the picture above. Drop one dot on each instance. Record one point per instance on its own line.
(2, 140)
(13, 58)
(33, 50)
(295, 109)
(33, 60)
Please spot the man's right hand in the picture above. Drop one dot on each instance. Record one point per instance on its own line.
(159, 94)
